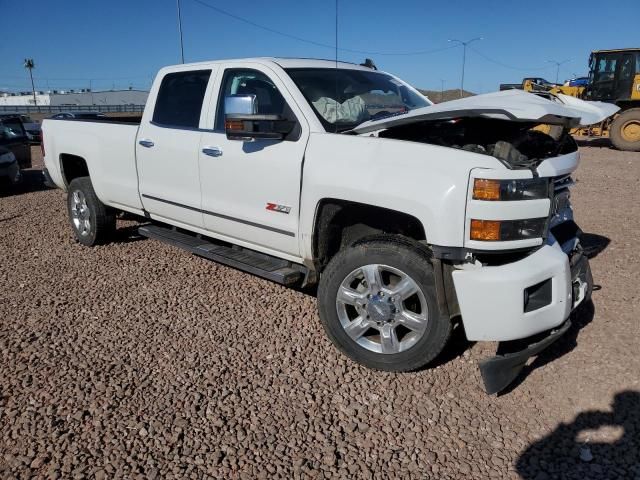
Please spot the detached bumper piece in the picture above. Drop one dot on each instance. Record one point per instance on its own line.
(499, 371)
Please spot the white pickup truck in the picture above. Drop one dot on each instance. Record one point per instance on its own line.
(409, 216)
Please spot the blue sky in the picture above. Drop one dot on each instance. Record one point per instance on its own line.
(120, 43)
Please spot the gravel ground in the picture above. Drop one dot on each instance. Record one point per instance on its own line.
(136, 360)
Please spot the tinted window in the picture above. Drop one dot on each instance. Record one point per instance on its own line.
(269, 100)
(180, 98)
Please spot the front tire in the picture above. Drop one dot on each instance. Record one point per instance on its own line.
(93, 223)
(377, 303)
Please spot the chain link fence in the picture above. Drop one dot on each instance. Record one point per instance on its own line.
(70, 108)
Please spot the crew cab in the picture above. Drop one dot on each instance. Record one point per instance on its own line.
(408, 216)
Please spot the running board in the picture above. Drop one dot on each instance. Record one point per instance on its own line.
(266, 266)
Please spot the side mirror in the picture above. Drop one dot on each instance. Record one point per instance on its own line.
(242, 122)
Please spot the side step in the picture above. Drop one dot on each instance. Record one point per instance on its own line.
(272, 268)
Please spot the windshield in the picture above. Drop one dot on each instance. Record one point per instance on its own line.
(343, 99)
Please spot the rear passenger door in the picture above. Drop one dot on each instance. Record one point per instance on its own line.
(167, 147)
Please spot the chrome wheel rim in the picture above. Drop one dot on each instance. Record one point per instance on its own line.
(80, 213)
(382, 309)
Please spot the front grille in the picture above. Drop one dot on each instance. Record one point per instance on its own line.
(561, 224)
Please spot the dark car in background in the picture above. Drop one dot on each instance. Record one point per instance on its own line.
(14, 138)
(32, 127)
(9, 167)
(78, 116)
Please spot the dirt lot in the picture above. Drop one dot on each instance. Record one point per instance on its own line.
(137, 360)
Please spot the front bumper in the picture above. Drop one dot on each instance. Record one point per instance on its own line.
(523, 298)
(12, 171)
(496, 290)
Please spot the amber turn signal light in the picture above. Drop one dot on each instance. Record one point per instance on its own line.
(234, 125)
(485, 230)
(484, 189)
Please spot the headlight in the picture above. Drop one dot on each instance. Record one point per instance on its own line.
(506, 230)
(507, 190)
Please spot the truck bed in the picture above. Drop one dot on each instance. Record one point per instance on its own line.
(108, 146)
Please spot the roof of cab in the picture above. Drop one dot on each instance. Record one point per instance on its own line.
(283, 62)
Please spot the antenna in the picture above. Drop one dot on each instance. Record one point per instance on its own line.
(336, 74)
(180, 31)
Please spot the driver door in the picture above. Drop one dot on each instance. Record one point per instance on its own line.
(251, 189)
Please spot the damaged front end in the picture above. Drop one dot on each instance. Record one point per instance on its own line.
(517, 145)
(518, 128)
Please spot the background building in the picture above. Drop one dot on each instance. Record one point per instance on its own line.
(83, 97)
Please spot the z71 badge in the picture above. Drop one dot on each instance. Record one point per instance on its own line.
(274, 207)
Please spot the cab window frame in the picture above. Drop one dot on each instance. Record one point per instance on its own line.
(218, 120)
(209, 77)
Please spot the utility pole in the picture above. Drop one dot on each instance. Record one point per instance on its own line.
(464, 57)
(180, 31)
(29, 64)
(441, 90)
(557, 64)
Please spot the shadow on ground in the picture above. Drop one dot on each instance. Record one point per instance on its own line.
(128, 234)
(32, 181)
(596, 445)
(580, 317)
(594, 142)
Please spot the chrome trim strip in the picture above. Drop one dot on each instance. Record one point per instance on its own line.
(220, 215)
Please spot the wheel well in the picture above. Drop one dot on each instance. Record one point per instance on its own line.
(73, 166)
(340, 223)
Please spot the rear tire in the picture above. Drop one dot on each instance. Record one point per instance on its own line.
(93, 223)
(392, 323)
(625, 130)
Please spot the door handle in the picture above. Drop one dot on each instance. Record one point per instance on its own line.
(212, 151)
(146, 143)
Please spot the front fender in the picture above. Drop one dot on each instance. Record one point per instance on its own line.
(428, 182)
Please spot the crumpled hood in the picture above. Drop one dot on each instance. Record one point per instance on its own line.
(515, 105)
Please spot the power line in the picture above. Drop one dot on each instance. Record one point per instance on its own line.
(557, 64)
(497, 62)
(464, 56)
(313, 42)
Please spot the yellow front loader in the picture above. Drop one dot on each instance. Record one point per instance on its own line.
(614, 77)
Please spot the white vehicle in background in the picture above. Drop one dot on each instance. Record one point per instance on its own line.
(409, 216)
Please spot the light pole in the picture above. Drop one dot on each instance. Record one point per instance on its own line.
(180, 30)
(464, 57)
(557, 64)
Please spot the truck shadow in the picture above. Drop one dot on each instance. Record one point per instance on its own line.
(584, 448)
(129, 234)
(580, 317)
